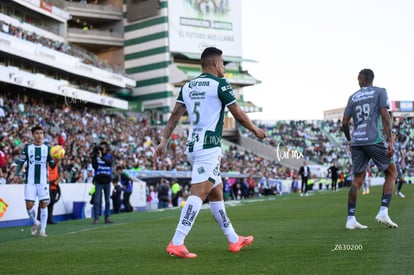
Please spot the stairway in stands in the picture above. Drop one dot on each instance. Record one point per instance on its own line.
(259, 148)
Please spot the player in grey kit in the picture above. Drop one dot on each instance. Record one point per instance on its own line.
(368, 108)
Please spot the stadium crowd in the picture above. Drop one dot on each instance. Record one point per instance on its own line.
(311, 138)
(86, 57)
(78, 127)
(323, 142)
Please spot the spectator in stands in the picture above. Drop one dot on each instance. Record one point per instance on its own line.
(11, 175)
(66, 167)
(204, 148)
(89, 175)
(65, 177)
(3, 163)
(86, 57)
(62, 139)
(2, 114)
(76, 177)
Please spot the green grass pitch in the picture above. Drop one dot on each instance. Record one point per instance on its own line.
(293, 235)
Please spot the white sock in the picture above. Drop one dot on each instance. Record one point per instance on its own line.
(218, 210)
(187, 218)
(43, 219)
(32, 214)
(384, 209)
(350, 218)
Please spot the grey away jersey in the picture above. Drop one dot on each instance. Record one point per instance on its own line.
(364, 108)
(205, 98)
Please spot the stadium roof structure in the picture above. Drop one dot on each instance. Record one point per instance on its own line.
(233, 76)
(227, 59)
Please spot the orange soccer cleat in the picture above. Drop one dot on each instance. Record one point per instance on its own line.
(242, 242)
(180, 251)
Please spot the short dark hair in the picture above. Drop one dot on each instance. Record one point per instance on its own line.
(368, 73)
(37, 127)
(209, 54)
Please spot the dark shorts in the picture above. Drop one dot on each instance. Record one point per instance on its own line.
(399, 171)
(362, 154)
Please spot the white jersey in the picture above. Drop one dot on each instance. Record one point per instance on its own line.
(205, 98)
(37, 158)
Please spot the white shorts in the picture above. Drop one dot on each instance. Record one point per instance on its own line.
(206, 165)
(41, 191)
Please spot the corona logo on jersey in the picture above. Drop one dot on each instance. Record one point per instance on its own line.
(199, 83)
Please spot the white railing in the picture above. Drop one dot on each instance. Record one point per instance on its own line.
(70, 95)
(59, 60)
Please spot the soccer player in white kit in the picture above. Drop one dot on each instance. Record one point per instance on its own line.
(205, 98)
(37, 157)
